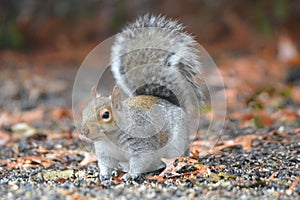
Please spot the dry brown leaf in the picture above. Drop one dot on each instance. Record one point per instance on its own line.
(174, 165)
(297, 130)
(292, 187)
(288, 115)
(4, 118)
(4, 138)
(245, 141)
(40, 160)
(266, 119)
(28, 162)
(37, 114)
(89, 157)
(47, 157)
(59, 113)
(43, 149)
(63, 135)
(242, 116)
(61, 179)
(295, 94)
(294, 62)
(31, 115)
(7, 119)
(201, 146)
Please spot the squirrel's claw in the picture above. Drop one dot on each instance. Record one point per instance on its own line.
(139, 178)
(127, 177)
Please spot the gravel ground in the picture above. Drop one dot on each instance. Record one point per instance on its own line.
(266, 171)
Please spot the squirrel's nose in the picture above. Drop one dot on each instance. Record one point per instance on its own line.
(84, 130)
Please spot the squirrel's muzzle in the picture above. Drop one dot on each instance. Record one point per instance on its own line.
(84, 131)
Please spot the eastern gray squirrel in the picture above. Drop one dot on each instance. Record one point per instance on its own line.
(155, 63)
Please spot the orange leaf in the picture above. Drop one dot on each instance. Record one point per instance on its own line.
(64, 135)
(89, 157)
(292, 187)
(245, 141)
(284, 115)
(60, 180)
(4, 118)
(4, 138)
(173, 165)
(59, 113)
(31, 115)
(295, 94)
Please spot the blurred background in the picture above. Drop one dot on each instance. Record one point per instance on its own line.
(56, 24)
(43, 42)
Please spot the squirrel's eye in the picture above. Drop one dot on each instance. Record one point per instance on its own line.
(105, 115)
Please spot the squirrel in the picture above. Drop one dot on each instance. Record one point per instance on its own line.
(155, 63)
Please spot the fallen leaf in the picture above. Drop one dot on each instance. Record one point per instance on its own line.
(201, 147)
(181, 166)
(8, 119)
(40, 160)
(297, 130)
(63, 135)
(89, 157)
(31, 115)
(295, 94)
(286, 115)
(294, 62)
(4, 118)
(174, 164)
(61, 179)
(59, 113)
(43, 149)
(28, 162)
(47, 157)
(245, 141)
(292, 187)
(258, 118)
(4, 138)
(264, 118)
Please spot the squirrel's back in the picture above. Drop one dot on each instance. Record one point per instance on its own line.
(154, 56)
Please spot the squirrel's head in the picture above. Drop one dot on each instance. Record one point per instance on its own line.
(99, 117)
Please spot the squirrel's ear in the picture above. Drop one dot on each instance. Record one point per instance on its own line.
(94, 92)
(116, 98)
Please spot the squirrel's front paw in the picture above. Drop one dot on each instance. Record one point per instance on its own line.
(107, 177)
(133, 177)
